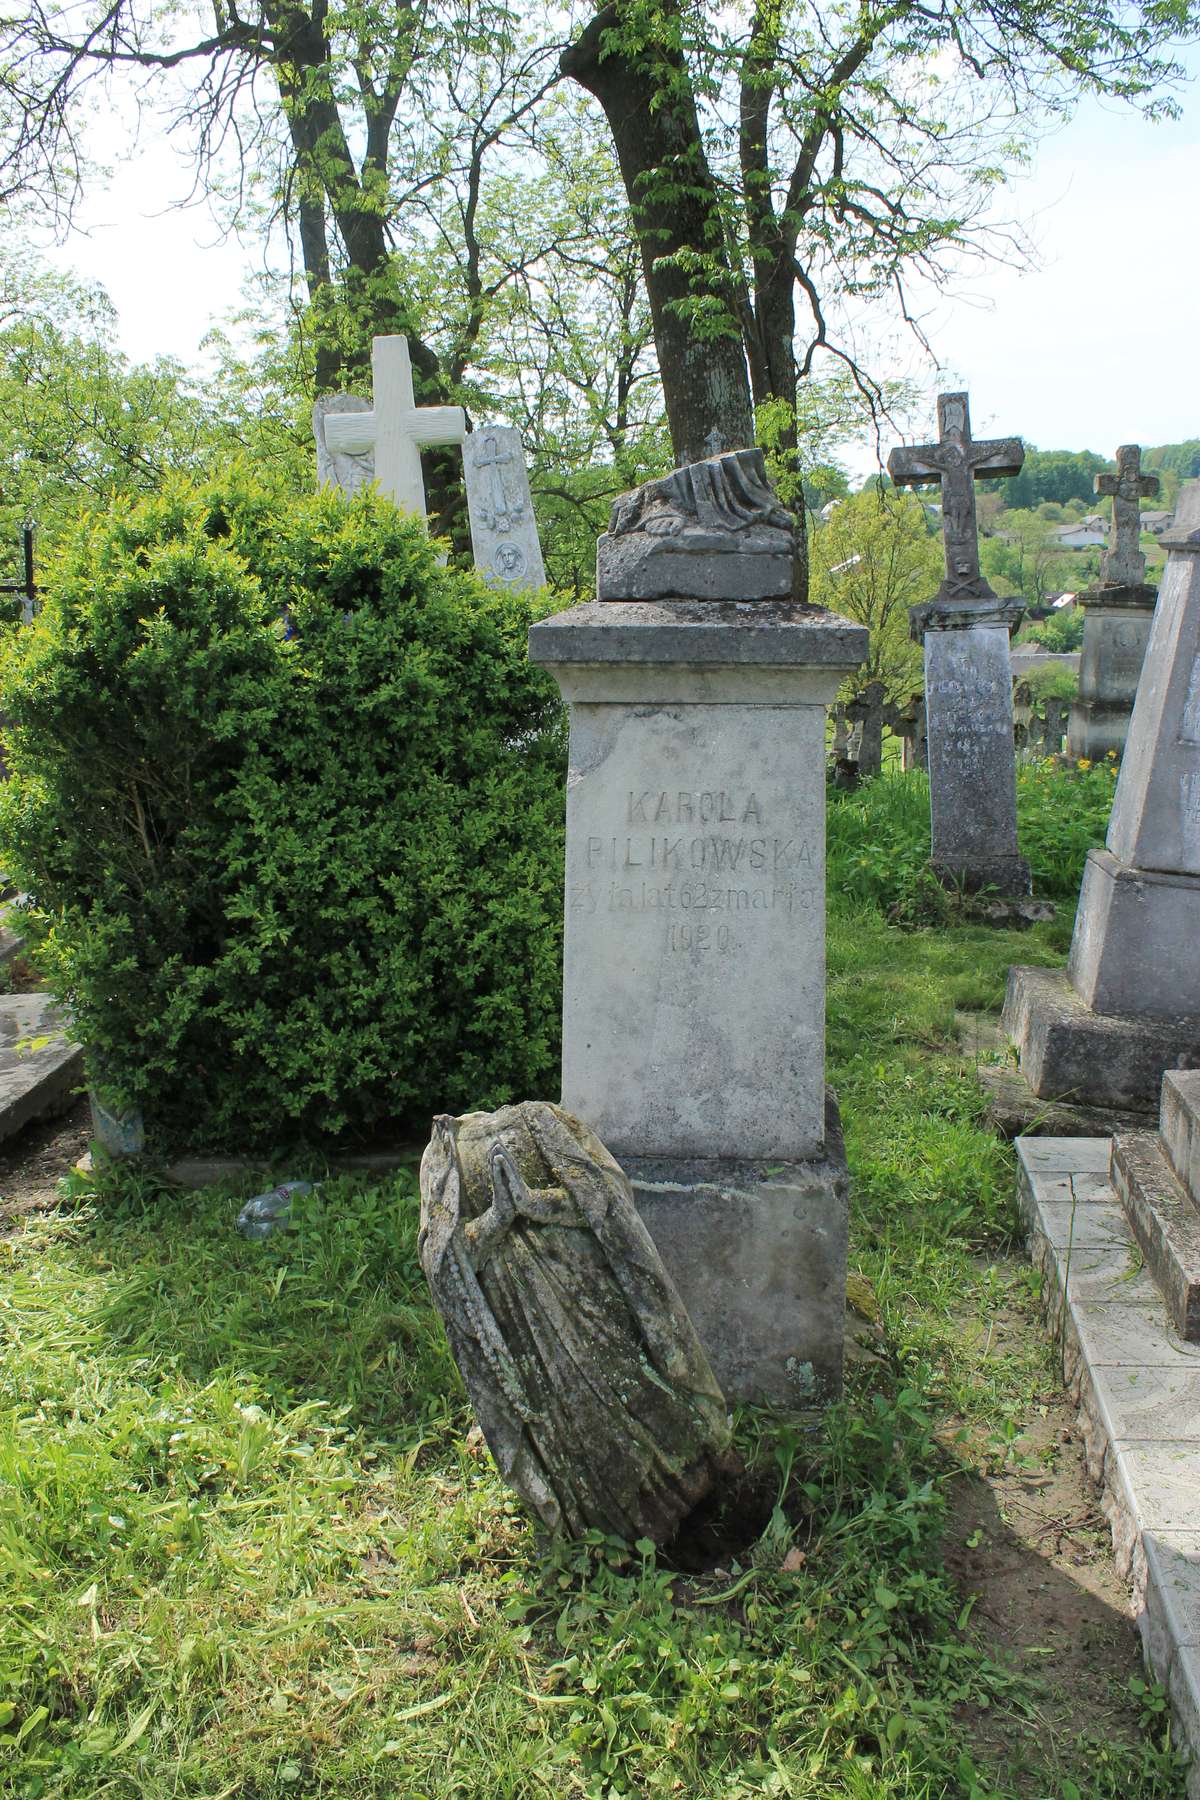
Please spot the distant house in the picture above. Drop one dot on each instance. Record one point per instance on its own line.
(1155, 522)
(1085, 534)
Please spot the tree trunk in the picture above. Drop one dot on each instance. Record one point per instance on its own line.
(656, 133)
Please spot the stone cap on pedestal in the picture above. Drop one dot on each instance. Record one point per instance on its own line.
(1139, 598)
(757, 651)
(963, 615)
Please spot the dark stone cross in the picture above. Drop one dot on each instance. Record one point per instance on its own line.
(957, 462)
(1123, 564)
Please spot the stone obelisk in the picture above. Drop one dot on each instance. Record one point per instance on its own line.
(1128, 1006)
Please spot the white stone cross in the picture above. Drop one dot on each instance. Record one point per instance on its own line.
(1123, 564)
(397, 428)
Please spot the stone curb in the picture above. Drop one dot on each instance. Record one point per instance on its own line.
(1136, 1384)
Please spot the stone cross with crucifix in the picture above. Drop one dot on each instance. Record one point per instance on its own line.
(396, 429)
(1123, 564)
(957, 461)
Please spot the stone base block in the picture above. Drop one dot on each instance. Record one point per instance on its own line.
(1135, 938)
(1138, 1392)
(1008, 875)
(1014, 1110)
(1165, 1221)
(1098, 727)
(1179, 1126)
(40, 1068)
(1069, 1052)
(758, 1251)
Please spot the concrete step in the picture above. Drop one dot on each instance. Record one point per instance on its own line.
(1166, 1222)
(1179, 1126)
(40, 1067)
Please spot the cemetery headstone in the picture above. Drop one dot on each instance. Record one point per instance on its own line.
(968, 681)
(395, 429)
(504, 534)
(345, 468)
(1118, 613)
(358, 443)
(1128, 1006)
(694, 963)
(582, 1365)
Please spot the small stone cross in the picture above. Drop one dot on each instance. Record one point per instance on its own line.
(957, 461)
(1123, 564)
(397, 428)
(714, 443)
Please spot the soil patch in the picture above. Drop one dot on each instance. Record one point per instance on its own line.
(1029, 1543)
(35, 1160)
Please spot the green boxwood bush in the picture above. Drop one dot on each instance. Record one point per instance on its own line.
(288, 798)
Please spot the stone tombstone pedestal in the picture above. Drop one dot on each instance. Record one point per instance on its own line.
(1116, 632)
(965, 631)
(1129, 1005)
(694, 961)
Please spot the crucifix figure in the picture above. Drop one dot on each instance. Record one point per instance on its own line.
(957, 461)
(499, 513)
(397, 428)
(1123, 564)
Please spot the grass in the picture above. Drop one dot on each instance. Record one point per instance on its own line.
(249, 1546)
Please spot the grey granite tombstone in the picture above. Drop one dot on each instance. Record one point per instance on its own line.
(504, 534)
(1129, 1005)
(694, 966)
(968, 681)
(1118, 613)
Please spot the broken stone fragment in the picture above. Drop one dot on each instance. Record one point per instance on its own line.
(587, 1378)
(714, 530)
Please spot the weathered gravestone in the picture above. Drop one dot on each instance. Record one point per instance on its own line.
(1129, 1005)
(348, 469)
(358, 443)
(392, 432)
(694, 965)
(968, 678)
(1118, 613)
(504, 535)
(586, 1376)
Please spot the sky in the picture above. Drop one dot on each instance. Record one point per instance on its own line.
(1092, 347)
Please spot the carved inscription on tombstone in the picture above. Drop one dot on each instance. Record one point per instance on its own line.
(695, 920)
(972, 788)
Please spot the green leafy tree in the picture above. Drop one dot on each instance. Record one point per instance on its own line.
(81, 425)
(777, 159)
(875, 557)
(1025, 556)
(1056, 476)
